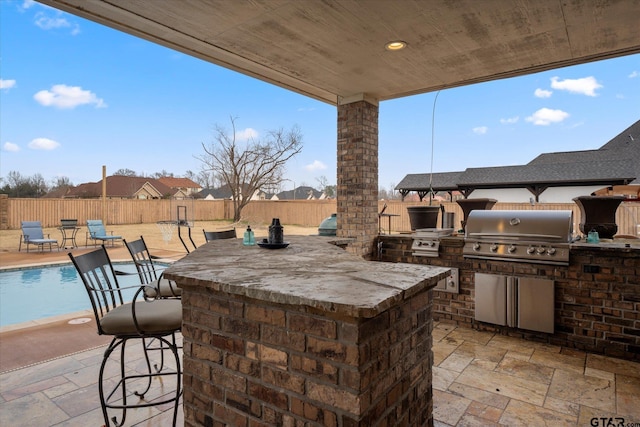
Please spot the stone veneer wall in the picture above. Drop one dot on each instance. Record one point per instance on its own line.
(357, 182)
(252, 364)
(597, 297)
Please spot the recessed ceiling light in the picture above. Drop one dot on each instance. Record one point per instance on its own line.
(395, 45)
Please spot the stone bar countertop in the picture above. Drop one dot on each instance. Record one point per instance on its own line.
(311, 271)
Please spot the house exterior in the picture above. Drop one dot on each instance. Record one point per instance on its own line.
(126, 187)
(300, 193)
(549, 178)
(187, 186)
(225, 192)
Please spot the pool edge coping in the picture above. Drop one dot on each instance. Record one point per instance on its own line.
(60, 317)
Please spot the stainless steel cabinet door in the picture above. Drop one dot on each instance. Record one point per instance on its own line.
(491, 298)
(536, 304)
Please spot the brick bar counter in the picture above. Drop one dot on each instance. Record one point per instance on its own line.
(307, 335)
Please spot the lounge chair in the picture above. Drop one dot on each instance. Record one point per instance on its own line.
(98, 233)
(32, 235)
(143, 320)
(149, 272)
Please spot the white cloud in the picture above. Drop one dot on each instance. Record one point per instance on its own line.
(49, 23)
(58, 21)
(26, 4)
(510, 120)
(246, 134)
(10, 146)
(480, 130)
(7, 84)
(634, 74)
(546, 116)
(63, 96)
(542, 93)
(584, 86)
(43, 144)
(317, 165)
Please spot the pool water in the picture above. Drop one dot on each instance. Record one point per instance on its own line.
(36, 293)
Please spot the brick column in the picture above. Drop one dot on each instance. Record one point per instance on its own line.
(4, 212)
(357, 192)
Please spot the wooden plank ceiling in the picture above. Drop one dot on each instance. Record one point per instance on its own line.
(335, 50)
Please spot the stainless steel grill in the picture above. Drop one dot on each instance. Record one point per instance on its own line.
(541, 237)
(426, 241)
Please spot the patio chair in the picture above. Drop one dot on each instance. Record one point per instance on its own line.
(96, 232)
(140, 320)
(215, 235)
(149, 272)
(32, 234)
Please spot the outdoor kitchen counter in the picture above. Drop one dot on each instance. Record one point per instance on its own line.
(306, 335)
(312, 271)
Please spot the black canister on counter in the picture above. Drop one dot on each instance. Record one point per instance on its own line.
(276, 235)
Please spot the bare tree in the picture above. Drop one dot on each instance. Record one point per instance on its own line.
(247, 167)
(323, 185)
(17, 185)
(125, 172)
(204, 178)
(161, 174)
(389, 194)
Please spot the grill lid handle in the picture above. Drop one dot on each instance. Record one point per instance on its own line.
(515, 236)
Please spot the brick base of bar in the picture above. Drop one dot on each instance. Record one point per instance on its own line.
(251, 363)
(309, 335)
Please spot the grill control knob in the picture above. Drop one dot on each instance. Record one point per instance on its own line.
(531, 250)
(432, 244)
(476, 246)
(512, 249)
(540, 250)
(551, 251)
(494, 247)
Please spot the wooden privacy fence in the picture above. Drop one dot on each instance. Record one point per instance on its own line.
(136, 211)
(307, 213)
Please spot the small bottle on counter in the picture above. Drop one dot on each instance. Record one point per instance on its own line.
(249, 238)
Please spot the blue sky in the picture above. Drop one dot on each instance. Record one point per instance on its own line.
(75, 95)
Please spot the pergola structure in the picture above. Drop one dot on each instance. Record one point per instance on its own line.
(354, 54)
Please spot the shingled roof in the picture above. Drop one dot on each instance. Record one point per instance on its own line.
(605, 172)
(122, 187)
(441, 181)
(616, 162)
(623, 147)
(174, 182)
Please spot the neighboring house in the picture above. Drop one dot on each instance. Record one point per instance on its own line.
(126, 187)
(215, 193)
(185, 185)
(58, 193)
(225, 192)
(549, 178)
(300, 193)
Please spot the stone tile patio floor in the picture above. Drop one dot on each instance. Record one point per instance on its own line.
(479, 379)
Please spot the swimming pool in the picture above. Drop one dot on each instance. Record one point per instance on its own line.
(39, 292)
